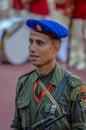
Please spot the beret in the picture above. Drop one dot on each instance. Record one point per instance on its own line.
(48, 27)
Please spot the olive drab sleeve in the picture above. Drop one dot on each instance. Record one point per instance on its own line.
(22, 107)
(78, 102)
(17, 121)
(78, 109)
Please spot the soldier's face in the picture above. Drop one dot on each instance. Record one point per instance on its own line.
(41, 49)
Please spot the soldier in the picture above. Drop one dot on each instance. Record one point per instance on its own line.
(37, 8)
(78, 33)
(32, 103)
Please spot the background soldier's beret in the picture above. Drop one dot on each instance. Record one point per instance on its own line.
(48, 27)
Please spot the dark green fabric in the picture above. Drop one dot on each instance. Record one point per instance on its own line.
(45, 80)
(28, 111)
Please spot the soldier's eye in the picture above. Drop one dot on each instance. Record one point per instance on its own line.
(30, 41)
(40, 43)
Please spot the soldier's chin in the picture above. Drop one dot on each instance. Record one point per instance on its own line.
(35, 64)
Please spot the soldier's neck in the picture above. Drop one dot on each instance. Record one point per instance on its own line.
(46, 69)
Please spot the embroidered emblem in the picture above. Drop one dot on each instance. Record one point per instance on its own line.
(82, 89)
(76, 91)
(38, 27)
(82, 103)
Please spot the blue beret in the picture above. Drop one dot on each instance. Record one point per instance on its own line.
(48, 27)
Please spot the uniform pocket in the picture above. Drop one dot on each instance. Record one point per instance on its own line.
(22, 103)
(24, 108)
(48, 107)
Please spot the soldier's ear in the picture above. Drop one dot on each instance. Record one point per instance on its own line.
(57, 46)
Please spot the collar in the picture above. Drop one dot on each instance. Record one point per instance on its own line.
(56, 78)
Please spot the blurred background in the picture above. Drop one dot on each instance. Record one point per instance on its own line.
(14, 55)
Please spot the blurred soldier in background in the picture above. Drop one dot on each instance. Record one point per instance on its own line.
(18, 9)
(4, 8)
(18, 5)
(78, 32)
(30, 8)
(75, 10)
(37, 8)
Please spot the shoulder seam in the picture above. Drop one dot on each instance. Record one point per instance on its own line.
(26, 74)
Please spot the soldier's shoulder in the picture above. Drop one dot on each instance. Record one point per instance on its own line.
(23, 79)
(78, 87)
(75, 81)
(26, 75)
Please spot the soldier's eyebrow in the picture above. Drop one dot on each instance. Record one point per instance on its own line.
(30, 39)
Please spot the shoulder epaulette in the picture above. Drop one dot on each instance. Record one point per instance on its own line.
(75, 81)
(26, 74)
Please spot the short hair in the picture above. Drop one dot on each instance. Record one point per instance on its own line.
(56, 40)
